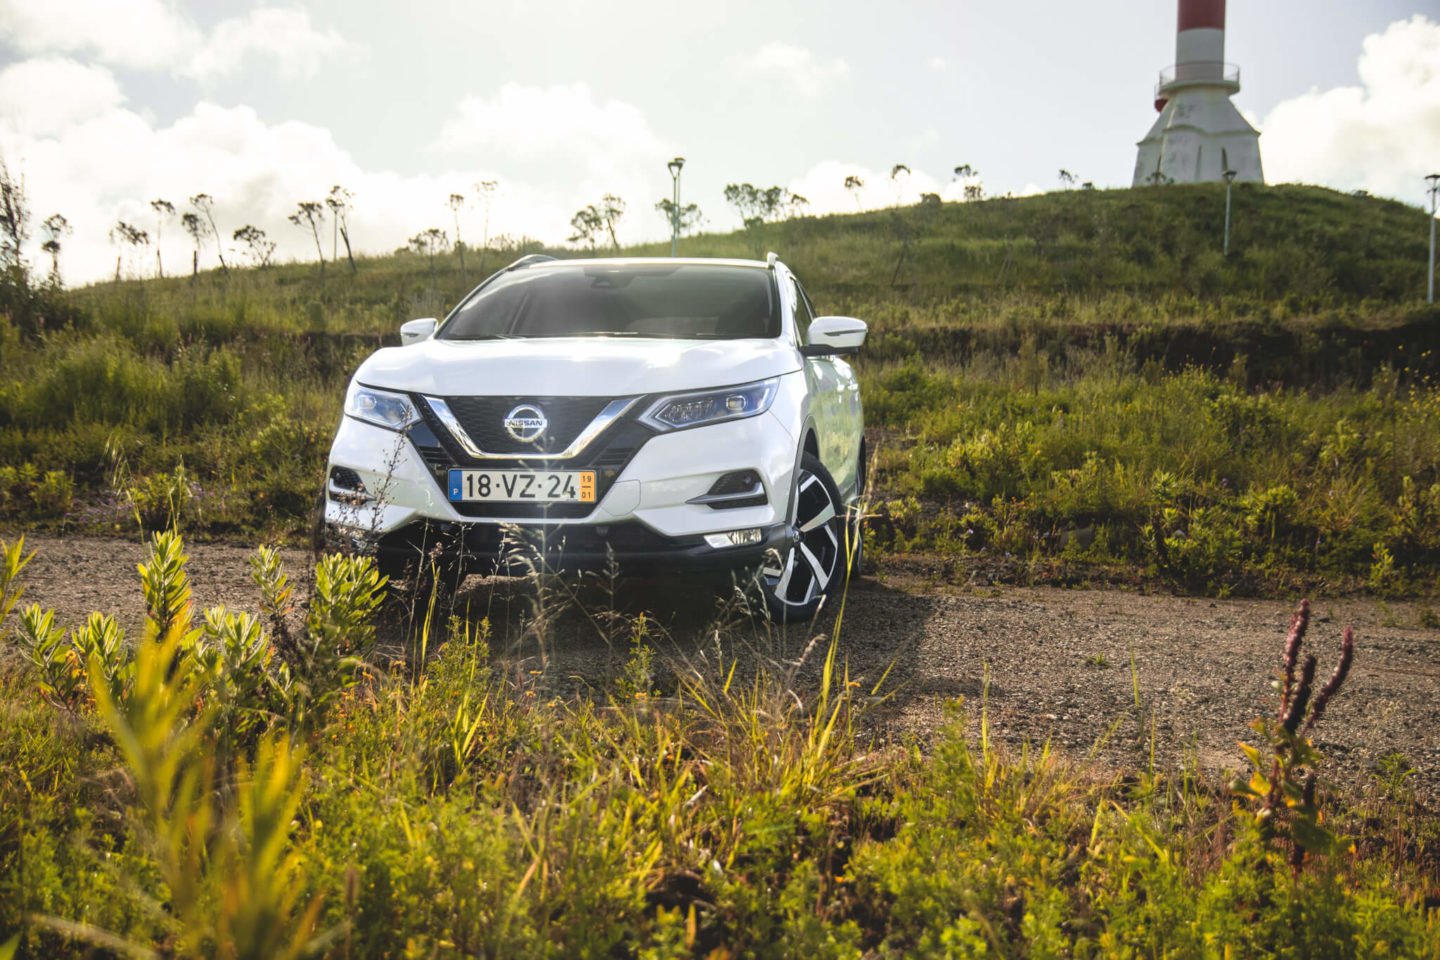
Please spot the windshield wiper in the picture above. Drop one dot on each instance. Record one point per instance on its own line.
(488, 336)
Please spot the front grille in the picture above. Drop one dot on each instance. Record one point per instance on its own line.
(484, 420)
(608, 455)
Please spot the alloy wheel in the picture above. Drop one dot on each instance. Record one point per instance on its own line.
(808, 569)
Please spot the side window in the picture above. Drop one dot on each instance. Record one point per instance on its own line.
(803, 315)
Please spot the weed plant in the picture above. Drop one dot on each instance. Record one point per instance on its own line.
(177, 807)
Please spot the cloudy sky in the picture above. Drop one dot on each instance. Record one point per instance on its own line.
(106, 105)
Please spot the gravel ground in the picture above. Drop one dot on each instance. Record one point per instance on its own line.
(1059, 661)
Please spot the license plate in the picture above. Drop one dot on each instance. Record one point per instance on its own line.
(523, 486)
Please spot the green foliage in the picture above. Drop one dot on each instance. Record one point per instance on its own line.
(251, 685)
(458, 812)
(161, 501)
(12, 564)
(60, 667)
(330, 657)
(166, 585)
(1213, 485)
(27, 491)
(226, 864)
(268, 573)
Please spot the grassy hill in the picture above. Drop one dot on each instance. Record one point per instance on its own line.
(1101, 256)
(1066, 353)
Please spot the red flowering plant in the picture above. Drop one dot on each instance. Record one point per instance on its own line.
(1280, 792)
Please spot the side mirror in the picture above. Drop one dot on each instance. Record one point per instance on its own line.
(832, 336)
(416, 330)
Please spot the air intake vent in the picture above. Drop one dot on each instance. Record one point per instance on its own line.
(739, 488)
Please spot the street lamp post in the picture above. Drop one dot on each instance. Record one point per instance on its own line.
(1229, 176)
(675, 166)
(1434, 181)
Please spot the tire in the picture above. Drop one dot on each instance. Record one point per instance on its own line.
(795, 584)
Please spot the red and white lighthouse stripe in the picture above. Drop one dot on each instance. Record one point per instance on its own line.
(1200, 37)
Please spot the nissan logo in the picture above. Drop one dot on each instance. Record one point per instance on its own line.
(526, 423)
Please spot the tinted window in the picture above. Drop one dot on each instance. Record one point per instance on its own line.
(801, 309)
(670, 301)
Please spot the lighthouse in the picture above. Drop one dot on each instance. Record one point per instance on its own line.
(1199, 134)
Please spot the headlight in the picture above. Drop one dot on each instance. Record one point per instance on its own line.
(713, 406)
(380, 407)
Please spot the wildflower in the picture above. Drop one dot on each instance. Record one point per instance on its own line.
(1291, 719)
(1347, 654)
(1299, 622)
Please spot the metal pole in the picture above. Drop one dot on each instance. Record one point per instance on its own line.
(1434, 179)
(675, 166)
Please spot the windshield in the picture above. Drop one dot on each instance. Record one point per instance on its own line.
(669, 301)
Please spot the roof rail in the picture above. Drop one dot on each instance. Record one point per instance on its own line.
(772, 258)
(528, 259)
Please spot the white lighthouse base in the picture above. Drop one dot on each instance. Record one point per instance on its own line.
(1197, 137)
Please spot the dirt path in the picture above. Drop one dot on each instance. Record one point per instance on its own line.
(1059, 661)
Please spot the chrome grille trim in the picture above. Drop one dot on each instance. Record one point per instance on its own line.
(613, 411)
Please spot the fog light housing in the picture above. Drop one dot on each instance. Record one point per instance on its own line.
(738, 488)
(345, 486)
(735, 538)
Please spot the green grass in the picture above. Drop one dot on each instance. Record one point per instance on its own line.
(193, 797)
(1189, 474)
(1075, 379)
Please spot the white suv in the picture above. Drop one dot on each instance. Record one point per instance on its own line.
(672, 414)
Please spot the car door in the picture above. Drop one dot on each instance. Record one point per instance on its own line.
(827, 377)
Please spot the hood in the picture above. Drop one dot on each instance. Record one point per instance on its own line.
(574, 366)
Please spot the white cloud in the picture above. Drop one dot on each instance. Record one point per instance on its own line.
(46, 95)
(939, 64)
(1382, 136)
(564, 122)
(285, 37)
(796, 65)
(155, 35)
(564, 135)
(141, 34)
(103, 161)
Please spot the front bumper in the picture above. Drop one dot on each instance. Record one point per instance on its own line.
(650, 512)
(630, 547)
